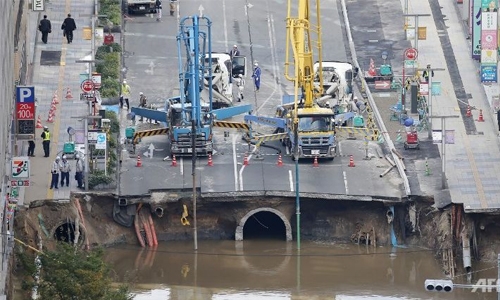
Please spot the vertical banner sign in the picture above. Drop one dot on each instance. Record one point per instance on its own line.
(489, 42)
(38, 5)
(471, 16)
(25, 109)
(476, 30)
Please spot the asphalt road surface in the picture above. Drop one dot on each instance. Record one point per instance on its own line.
(152, 68)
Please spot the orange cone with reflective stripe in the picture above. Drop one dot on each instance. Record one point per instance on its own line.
(280, 161)
(245, 160)
(315, 163)
(39, 122)
(469, 112)
(139, 161)
(481, 117)
(68, 94)
(351, 161)
(174, 161)
(210, 162)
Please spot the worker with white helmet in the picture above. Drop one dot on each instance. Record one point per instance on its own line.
(256, 76)
(46, 141)
(55, 173)
(79, 171)
(234, 52)
(125, 94)
(65, 168)
(240, 83)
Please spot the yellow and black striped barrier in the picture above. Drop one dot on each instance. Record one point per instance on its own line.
(233, 125)
(269, 137)
(151, 132)
(365, 132)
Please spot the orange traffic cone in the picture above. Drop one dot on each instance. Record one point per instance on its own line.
(174, 161)
(50, 119)
(245, 160)
(54, 101)
(68, 94)
(210, 162)
(280, 161)
(139, 161)
(351, 161)
(53, 107)
(39, 122)
(481, 117)
(315, 163)
(371, 71)
(469, 112)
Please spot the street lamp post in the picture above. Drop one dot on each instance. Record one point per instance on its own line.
(430, 73)
(86, 127)
(443, 146)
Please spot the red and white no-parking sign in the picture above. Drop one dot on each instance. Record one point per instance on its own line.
(87, 86)
(411, 54)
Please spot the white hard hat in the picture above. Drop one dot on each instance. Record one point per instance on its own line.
(141, 93)
(355, 98)
(240, 76)
(256, 64)
(64, 156)
(45, 127)
(124, 81)
(77, 156)
(235, 46)
(58, 158)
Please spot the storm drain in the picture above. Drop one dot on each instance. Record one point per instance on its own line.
(66, 233)
(50, 58)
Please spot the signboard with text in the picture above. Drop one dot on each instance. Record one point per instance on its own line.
(488, 73)
(20, 168)
(25, 110)
(476, 30)
(96, 79)
(38, 5)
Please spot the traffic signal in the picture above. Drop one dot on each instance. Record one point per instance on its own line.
(438, 285)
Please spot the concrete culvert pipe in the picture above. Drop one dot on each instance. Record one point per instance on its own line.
(159, 212)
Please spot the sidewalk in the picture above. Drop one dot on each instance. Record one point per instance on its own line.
(54, 70)
(472, 167)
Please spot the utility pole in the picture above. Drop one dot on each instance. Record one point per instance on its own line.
(416, 16)
(87, 154)
(430, 73)
(443, 146)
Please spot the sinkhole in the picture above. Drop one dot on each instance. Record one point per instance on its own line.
(264, 225)
(66, 233)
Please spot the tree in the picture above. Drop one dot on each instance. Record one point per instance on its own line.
(69, 273)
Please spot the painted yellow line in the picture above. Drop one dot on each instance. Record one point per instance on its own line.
(57, 119)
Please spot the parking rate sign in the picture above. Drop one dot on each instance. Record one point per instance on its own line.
(25, 109)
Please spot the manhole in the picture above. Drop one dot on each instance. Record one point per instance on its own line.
(50, 58)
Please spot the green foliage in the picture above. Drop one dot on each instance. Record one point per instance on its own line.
(98, 177)
(115, 124)
(109, 67)
(112, 9)
(102, 50)
(72, 273)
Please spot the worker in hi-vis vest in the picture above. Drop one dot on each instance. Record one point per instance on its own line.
(125, 94)
(46, 141)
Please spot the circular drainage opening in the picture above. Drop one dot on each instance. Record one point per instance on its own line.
(66, 233)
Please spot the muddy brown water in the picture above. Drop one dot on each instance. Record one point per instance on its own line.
(271, 269)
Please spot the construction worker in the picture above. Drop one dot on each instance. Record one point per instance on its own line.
(256, 76)
(46, 141)
(143, 101)
(158, 10)
(173, 6)
(428, 72)
(234, 52)
(55, 173)
(79, 171)
(125, 94)
(65, 168)
(240, 83)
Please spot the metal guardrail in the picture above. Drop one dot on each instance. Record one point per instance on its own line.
(378, 117)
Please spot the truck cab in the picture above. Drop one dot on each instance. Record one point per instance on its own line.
(140, 6)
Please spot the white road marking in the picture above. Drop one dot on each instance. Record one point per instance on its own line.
(235, 164)
(181, 164)
(287, 151)
(290, 178)
(225, 25)
(345, 183)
